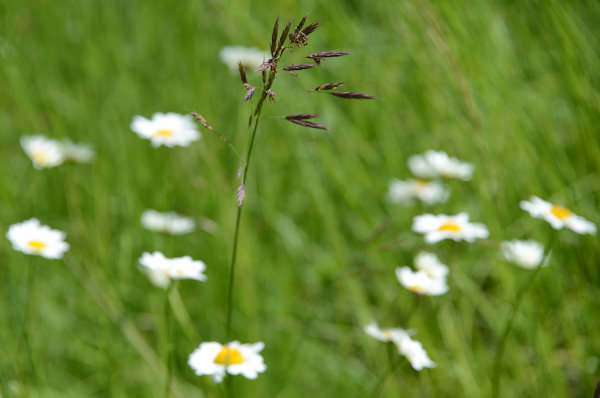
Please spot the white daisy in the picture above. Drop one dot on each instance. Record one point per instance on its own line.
(415, 353)
(31, 237)
(168, 129)
(161, 270)
(429, 263)
(43, 151)
(390, 334)
(434, 164)
(524, 253)
(250, 57)
(78, 153)
(215, 359)
(439, 227)
(171, 222)
(420, 282)
(558, 216)
(407, 191)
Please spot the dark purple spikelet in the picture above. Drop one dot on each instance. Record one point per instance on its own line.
(352, 95)
(249, 91)
(317, 57)
(265, 65)
(242, 70)
(308, 123)
(302, 116)
(300, 67)
(284, 35)
(274, 38)
(271, 95)
(311, 28)
(329, 86)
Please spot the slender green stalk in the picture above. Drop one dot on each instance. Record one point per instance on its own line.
(167, 341)
(509, 324)
(28, 326)
(381, 382)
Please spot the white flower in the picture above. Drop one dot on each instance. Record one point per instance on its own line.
(411, 349)
(406, 191)
(171, 222)
(558, 216)
(78, 153)
(31, 237)
(525, 253)
(250, 57)
(434, 164)
(43, 151)
(429, 263)
(212, 358)
(420, 282)
(168, 129)
(161, 270)
(415, 353)
(439, 227)
(390, 334)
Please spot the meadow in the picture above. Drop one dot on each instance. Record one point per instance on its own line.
(509, 87)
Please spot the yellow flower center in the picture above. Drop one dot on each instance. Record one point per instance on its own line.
(420, 185)
(164, 133)
(40, 158)
(229, 356)
(560, 212)
(449, 226)
(36, 245)
(415, 288)
(386, 334)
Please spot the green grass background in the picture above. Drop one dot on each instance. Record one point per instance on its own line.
(511, 87)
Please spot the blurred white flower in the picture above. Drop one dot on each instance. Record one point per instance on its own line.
(43, 151)
(420, 282)
(429, 263)
(524, 253)
(390, 334)
(78, 153)
(434, 164)
(415, 353)
(439, 227)
(558, 216)
(250, 57)
(168, 129)
(31, 237)
(171, 222)
(215, 359)
(409, 348)
(407, 191)
(161, 270)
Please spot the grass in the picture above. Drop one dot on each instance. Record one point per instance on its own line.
(510, 87)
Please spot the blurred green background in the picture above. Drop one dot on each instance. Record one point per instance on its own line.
(511, 87)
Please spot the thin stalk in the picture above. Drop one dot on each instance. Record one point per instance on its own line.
(27, 321)
(381, 382)
(509, 324)
(167, 341)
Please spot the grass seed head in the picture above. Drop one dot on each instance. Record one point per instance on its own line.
(329, 86)
(352, 95)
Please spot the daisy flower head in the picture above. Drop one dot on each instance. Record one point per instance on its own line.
(389, 334)
(168, 129)
(162, 270)
(42, 151)
(430, 264)
(415, 353)
(527, 254)
(215, 359)
(557, 216)
(30, 237)
(406, 192)
(250, 57)
(435, 164)
(77, 153)
(440, 227)
(420, 282)
(170, 223)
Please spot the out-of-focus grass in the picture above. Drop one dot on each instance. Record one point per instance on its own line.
(511, 87)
